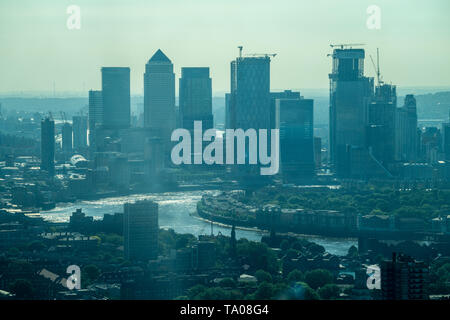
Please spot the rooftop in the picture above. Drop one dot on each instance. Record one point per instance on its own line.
(159, 56)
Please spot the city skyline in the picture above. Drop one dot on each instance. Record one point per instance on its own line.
(73, 64)
(196, 161)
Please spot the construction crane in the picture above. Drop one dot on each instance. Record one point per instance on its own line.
(255, 54)
(346, 45)
(377, 68)
(261, 55)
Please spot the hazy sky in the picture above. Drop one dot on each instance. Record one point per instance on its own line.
(37, 49)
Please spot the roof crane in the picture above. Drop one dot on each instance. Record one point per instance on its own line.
(261, 55)
(346, 45)
(255, 54)
(377, 68)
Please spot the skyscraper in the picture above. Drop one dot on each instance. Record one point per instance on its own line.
(66, 137)
(248, 105)
(95, 108)
(403, 278)
(381, 128)
(294, 118)
(407, 138)
(159, 96)
(350, 95)
(141, 230)
(286, 94)
(228, 110)
(431, 145)
(250, 93)
(79, 132)
(195, 98)
(116, 97)
(446, 140)
(48, 146)
(318, 152)
(95, 113)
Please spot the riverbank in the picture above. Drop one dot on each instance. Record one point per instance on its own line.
(177, 211)
(333, 245)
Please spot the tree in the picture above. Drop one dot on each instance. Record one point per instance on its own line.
(318, 278)
(299, 245)
(22, 289)
(36, 246)
(263, 276)
(264, 291)
(279, 290)
(92, 272)
(13, 252)
(301, 291)
(213, 294)
(295, 276)
(352, 252)
(315, 248)
(444, 272)
(292, 254)
(227, 283)
(311, 294)
(181, 242)
(195, 290)
(329, 291)
(20, 267)
(258, 255)
(284, 245)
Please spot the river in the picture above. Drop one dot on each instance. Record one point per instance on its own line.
(176, 211)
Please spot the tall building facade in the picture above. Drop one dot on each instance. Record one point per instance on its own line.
(195, 98)
(228, 110)
(66, 133)
(350, 95)
(286, 94)
(48, 146)
(250, 93)
(407, 137)
(116, 97)
(295, 120)
(318, 152)
(159, 96)
(141, 230)
(446, 140)
(430, 145)
(95, 113)
(403, 278)
(249, 106)
(381, 127)
(79, 132)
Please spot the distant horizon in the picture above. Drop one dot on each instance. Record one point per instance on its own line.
(39, 51)
(215, 94)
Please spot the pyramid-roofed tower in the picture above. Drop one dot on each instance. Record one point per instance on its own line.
(159, 56)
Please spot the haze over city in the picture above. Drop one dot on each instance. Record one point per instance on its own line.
(200, 150)
(207, 33)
